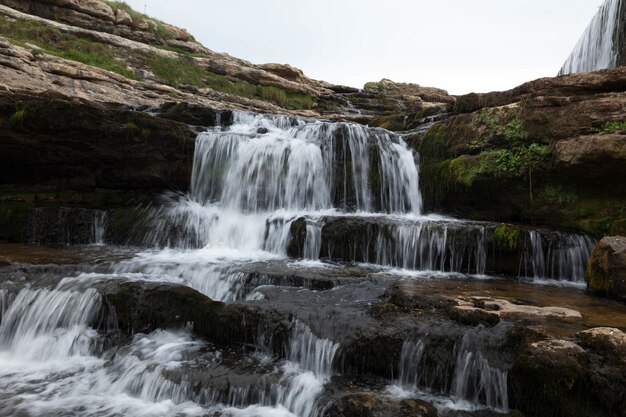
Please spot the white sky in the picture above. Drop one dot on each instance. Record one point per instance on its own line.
(458, 45)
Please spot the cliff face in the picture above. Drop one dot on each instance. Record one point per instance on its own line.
(551, 151)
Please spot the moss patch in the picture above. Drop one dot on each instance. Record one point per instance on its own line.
(507, 237)
(499, 124)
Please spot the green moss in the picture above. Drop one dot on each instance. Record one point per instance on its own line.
(432, 146)
(597, 212)
(17, 118)
(376, 86)
(557, 195)
(618, 227)
(131, 126)
(507, 237)
(465, 168)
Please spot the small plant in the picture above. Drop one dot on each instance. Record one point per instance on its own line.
(17, 118)
(612, 127)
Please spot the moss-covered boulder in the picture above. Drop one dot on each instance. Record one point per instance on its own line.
(606, 270)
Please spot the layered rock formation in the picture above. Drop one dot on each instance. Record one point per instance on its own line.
(550, 151)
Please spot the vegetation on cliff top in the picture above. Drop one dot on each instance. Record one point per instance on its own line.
(157, 26)
(177, 72)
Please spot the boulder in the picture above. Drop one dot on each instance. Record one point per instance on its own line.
(604, 340)
(607, 153)
(606, 270)
(555, 378)
(370, 404)
(123, 18)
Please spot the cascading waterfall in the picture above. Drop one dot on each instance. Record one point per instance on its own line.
(431, 246)
(29, 327)
(47, 335)
(313, 242)
(597, 48)
(474, 382)
(263, 168)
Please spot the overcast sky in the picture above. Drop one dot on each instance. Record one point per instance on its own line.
(458, 45)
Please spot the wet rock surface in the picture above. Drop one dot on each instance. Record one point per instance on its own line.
(606, 271)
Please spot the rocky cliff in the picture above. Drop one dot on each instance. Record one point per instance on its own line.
(551, 151)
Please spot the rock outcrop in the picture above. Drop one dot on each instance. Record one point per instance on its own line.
(606, 271)
(548, 143)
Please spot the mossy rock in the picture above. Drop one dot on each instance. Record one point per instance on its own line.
(507, 237)
(606, 269)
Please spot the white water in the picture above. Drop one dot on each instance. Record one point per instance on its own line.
(475, 383)
(52, 363)
(596, 48)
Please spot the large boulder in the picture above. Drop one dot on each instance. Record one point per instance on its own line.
(555, 378)
(606, 270)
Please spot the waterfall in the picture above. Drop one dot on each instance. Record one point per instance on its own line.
(598, 47)
(474, 380)
(99, 226)
(262, 168)
(560, 256)
(313, 242)
(30, 325)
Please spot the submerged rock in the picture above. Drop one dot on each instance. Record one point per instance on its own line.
(491, 309)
